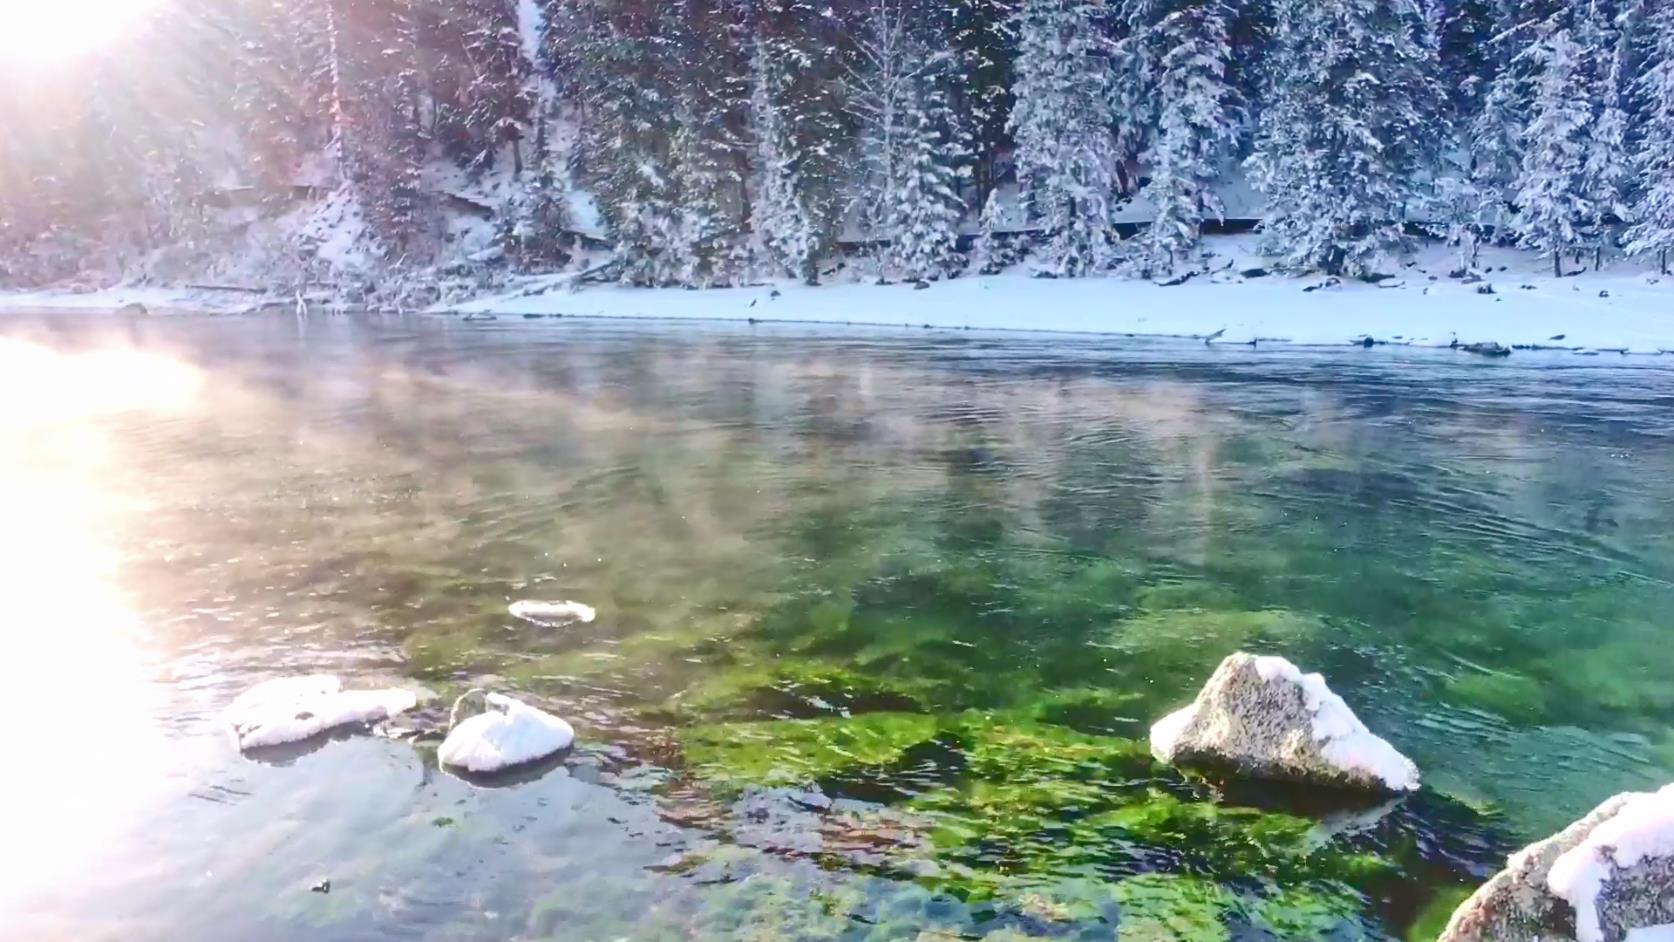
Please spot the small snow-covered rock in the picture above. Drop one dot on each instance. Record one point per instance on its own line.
(553, 614)
(509, 733)
(1264, 717)
(291, 709)
(1608, 877)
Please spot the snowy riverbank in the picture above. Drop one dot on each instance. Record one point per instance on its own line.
(1622, 308)
(1626, 307)
(146, 299)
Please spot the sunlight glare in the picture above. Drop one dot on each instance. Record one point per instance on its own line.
(39, 32)
(59, 388)
(83, 750)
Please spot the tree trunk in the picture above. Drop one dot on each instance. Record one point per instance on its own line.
(741, 163)
(1557, 263)
(1334, 260)
(1664, 257)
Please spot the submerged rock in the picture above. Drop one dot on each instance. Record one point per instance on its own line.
(552, 614)
(1487, 349)
(1608, 877)
(507, 734)
(292, 709)
(1263, 717)
(427, 722)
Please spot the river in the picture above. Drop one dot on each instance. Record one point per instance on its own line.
(884, 619)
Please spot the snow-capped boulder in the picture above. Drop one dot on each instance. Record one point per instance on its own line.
(1267, 719)
(552, 614)
(1608, 877)
(291, 709)
(507, 733)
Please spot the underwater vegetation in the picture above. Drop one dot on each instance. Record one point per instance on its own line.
(948, 707)
(925, 664)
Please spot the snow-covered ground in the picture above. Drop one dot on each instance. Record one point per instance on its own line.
(1625, 307)
(154, 299)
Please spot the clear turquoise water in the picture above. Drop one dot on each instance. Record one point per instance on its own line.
(884, 619)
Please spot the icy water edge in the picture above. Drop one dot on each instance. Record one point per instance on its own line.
(883, 620)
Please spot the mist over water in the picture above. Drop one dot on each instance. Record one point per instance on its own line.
(883, 620)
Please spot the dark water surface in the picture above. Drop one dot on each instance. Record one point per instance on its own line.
(884, 618)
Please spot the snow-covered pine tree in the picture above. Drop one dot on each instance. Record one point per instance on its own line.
(786, 232)
(621, 80)
(876, 90)
(709, 249)
(909, 195)
(383, 143)
(1198, 121)
(1252, 39)
(1453, 213)
(1135, 74)
(648, 231)
(1493, 144)
(141, 161)
(1067, 156)
(710, 149)
(985, 50)
(1471, 194)
(1653, 158)
(146, 154)
(1551, 188)
(1494, 136)
(538, 235)
(924, 224)
(677, 152)
(811, 42)
(274, 64)
(992, 253)
(476, 76)
(1607, 173)
(60, 180)
(1351, 117)
(1467, 52)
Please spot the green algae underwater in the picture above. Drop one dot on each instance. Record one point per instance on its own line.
(884, 620)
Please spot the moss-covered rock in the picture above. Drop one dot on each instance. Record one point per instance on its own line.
(1308, 912)
(1515, 697)
(1614, 678)
(1159, 907)
(765, 908)
(729, 756)
(1005, 748)
(1090, 709)
(1187, 594)
(440, 656)
(1432, 919)
(788, 687)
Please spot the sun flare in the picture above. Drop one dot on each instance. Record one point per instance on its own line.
(85, 687)
(39, 32)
